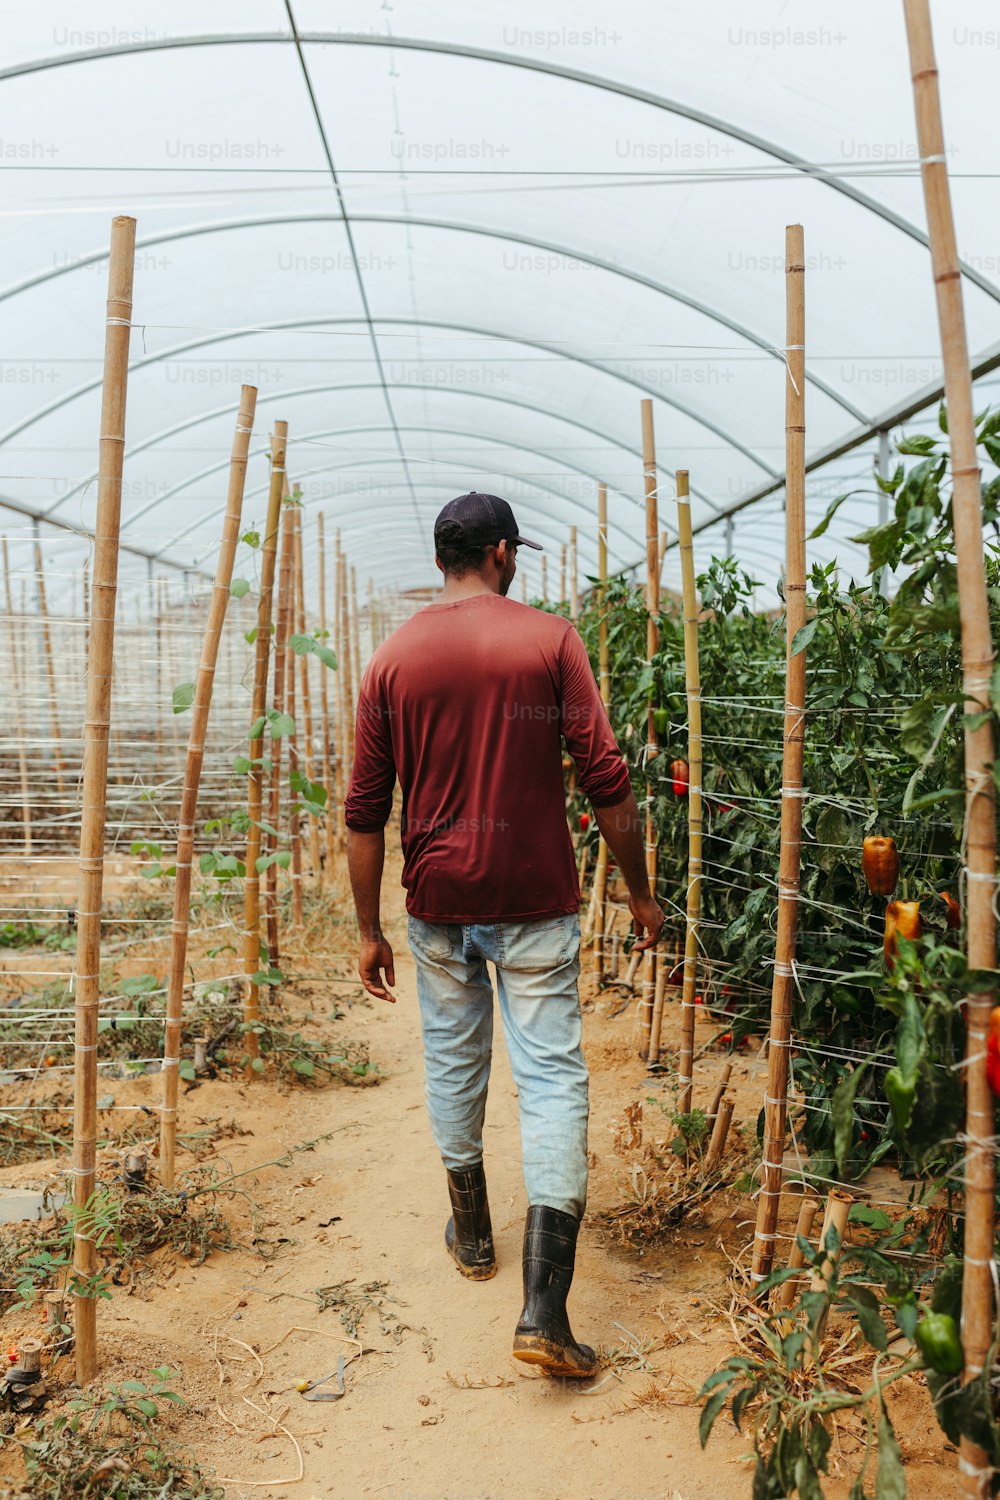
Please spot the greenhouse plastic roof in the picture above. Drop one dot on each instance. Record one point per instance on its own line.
(454, 245)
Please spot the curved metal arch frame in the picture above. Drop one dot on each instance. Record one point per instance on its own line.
(529, 64)
(569, 500)
(263, 221)
(394, 321)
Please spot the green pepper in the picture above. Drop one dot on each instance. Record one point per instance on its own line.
(939, 1343)
(661, 718)
(900, 1095)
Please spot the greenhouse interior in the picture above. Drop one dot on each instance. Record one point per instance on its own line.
(499, 512)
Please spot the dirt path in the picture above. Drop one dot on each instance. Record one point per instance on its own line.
(437, 1409)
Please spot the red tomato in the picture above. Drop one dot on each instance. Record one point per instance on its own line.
(584, 822)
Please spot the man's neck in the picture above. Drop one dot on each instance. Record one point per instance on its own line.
(468, 587)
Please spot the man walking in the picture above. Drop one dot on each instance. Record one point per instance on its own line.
(468, 704)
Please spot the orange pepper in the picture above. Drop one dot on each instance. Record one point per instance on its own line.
(993, 1050)
(880, 862)
(953, 917)
(902, 919)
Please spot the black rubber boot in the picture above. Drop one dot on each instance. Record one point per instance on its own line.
(469, 1233)
(543, 1335)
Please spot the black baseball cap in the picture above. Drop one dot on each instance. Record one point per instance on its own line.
(485, 521)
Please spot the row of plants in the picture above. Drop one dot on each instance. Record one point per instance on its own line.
(881, 973)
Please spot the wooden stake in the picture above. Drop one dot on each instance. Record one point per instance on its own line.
(307, 715)
(574, 588)
(692, 678)
(346, 655)
(977, 667)
(652, 645)
(15, 693)
(545, 579)
(294, 827)
(96, 731)
(720, 1130)
(604, 677)
(722, 1085)
(192, 777)
(50, 671)
(656, 1026)
(562, 573)
(808, 1209)
(332, 801)
(779, 1036)
(255, 776)
(278, 699)
(355, 641)
(838, 1206)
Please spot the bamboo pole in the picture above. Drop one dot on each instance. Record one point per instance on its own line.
(332, 803)
(574, 568)
(838, 1207)
(562, 574)
(604, 679)
(14, 667)
(720, 1089)
(720, 1130)
(291, 704)
(346, 655)
(255, 775)
(652, 645)
(545, 579)
(779, 1035)
(808, 1209)
(307, 714)
(661, 554)
(692, 676)
(192, 776)
(50, 671)
(96, 731)
(278, 697)
(977, 666)
(656, 1025)
(355, 641)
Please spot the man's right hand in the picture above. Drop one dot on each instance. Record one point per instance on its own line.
(648, 918)
(374, 959)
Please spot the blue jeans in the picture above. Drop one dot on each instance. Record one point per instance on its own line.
(537, 967)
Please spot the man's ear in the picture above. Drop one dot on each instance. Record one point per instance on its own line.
(438, 564)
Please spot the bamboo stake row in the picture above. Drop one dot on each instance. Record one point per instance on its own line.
(779, 1033)
(692, 673)
(977, 665)
(14, 667)
(332, 803)
(307, 715)
(604, 680)
(652, 746)
(291, 704)
(50, 670)
(278, 702)
(255, 777)
(192, 777)
(96, 734)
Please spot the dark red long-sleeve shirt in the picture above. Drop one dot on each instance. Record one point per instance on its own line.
(468, 704)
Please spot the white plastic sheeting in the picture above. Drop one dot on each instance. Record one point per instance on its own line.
(454, 245)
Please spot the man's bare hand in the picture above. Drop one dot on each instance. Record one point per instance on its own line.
(648, 918)
(375, 959)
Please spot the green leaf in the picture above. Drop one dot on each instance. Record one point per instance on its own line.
(256, 729)
(257, 1064)
(239, 588)
(804, 635)
(251, 538)
(186, 1070)
(281, 724)
(148, 1408)
(865, 1306)
(304, 1066)
(241, 765)
(842, 1112)
(891, 1483)
(922, 444)
(711, 1410)
(183, 697)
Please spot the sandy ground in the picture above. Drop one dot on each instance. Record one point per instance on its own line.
(437, 1409)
